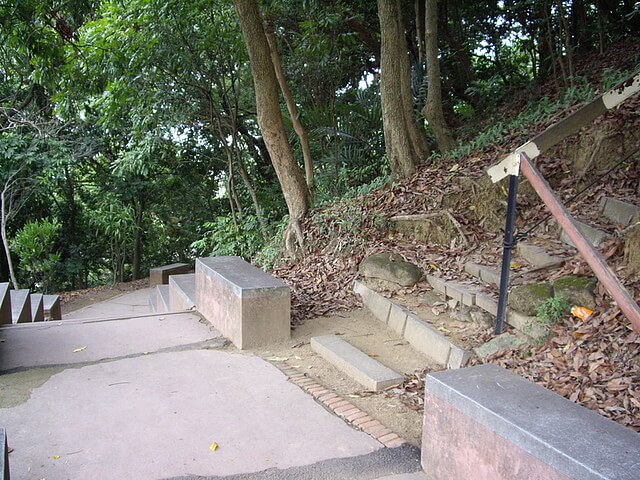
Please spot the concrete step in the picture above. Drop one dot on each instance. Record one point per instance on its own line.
(161, 275)
(5, 304)
(52, 309)
(163, 298)
(182, 292)
(37, 307)
(593, 235)
(483, 272)
(153, 301)
(373, 375)
(620, 212)
(537, 256)
(20, 306)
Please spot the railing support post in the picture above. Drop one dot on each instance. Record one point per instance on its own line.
(508, 245)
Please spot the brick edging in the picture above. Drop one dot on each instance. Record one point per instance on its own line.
(341, 407)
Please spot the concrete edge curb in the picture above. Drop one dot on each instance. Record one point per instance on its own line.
(344, 409)
(420, 334)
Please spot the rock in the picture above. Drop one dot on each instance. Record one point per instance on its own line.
(576, 290)
(390, 267)
(632, 248)
(462, 314)
(505, 341)
(480, 316)
(525, 298)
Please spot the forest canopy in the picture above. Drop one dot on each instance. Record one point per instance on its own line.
(143, 132)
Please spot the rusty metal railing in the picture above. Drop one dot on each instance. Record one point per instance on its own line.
(520, 160)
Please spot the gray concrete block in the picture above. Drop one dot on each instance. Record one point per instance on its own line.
(458, 357)
(487, 303)
(160, 275)
(438, 284)
(594, 236)
(428, 340)
(37, 307)
(537, 256)
(397, 318)
(498, 343)
(52, 308)
(163, 294)
(378, 305)
(5, 304)
(509, 428)
(245, 304)
(464, 294)
(620, 212)
(345, 357)
(20, 306)
(182, 293)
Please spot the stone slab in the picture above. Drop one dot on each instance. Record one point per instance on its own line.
(594, 236)
(438, 284)
(464, 294)
(248, 306)
(20, 306)
(498, 343)
(379, 306)
(52, 308)
(5, 304)
(397, 318)
(487, 303)
(37, 307)
(428, 340)
(530, 326)
(537, 256)
(163, 297)
(182, 292)
(483, 272)
(160, 275)
(620, 212)
(370, 373)
(511, 428)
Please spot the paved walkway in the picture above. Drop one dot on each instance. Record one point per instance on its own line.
(112, 392)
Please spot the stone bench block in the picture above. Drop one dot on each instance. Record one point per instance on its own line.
(160, 275)
(487, 423)
(245, 304)
(37, 307)
(52, 309)
(5, 304)
(182, 292)
(20, 306)
(370, 373)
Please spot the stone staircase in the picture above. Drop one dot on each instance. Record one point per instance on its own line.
(179, 295)
(22, 306)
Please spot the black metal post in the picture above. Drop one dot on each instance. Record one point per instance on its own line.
(508, 245)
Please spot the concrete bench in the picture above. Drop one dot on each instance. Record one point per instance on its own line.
(248, 306)
(52, 309)
(37, 307)
(20, 306)
(160, 275)
(5, 304)
(487, 423)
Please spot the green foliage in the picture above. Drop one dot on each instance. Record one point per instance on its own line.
(224, 237)
(35, 244)
(552, 310)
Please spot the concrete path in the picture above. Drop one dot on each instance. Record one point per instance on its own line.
(147, 396)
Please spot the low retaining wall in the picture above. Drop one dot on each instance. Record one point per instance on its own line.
(487, 423)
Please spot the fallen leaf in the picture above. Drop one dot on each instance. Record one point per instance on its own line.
(80, 349)
(278, 359)
(213, 447)
(56, 457)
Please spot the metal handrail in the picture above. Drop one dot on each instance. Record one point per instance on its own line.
(521, 158)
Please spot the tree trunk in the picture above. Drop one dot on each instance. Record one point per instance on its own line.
(3, 232)
(405, 142)
(291, 107)
(137, 239)
(294, 188)
(433, 108)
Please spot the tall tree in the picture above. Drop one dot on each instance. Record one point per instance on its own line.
(433, 108)
(292, 182)
(405, 142)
